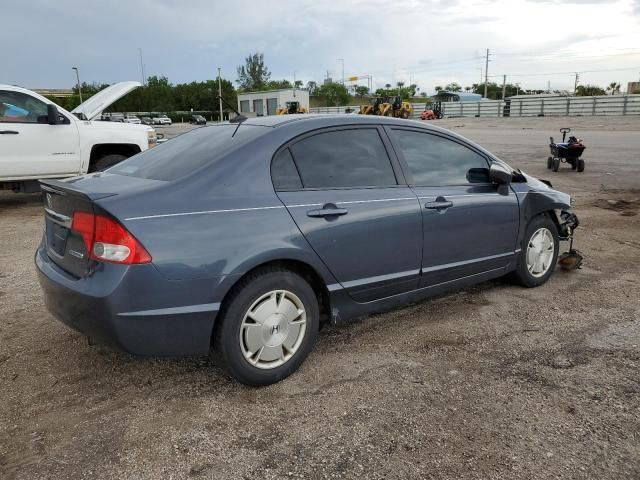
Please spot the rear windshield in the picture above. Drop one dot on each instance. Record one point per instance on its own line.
(188, 152)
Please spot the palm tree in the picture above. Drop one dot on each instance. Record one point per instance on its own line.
(613, 88)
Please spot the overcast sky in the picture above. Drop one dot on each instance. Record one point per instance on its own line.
(428, 42)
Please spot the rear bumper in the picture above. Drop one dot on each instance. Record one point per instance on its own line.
(132, 308)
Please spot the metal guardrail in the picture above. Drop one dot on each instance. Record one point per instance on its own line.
(526, 107)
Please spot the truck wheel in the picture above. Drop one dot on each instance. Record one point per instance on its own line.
(549, 162)
(580, 165)
(268, 327)
(105, 162)
(555, 165)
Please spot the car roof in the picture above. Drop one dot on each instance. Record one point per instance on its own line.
(313, 120)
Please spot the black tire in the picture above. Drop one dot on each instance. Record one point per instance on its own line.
(573, 163)
(105, 162)
(227, 350)
(522, 275)
(549, 162)
(555, 165)
(580, 165)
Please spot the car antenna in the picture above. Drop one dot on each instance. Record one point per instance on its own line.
(239, 118)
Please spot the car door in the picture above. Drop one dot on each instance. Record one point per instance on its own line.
(349, 200)
(29, 146)
(469, 226)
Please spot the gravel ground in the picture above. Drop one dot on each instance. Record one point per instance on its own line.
(495, 381)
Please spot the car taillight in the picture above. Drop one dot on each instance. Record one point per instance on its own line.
(108, 241)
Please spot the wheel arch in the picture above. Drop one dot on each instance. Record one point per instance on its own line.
(301, 267)
(101, 149)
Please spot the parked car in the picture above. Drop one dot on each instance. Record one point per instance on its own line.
(161, 120)
(130, 118)
(112, 117)
(39, 139)
(146, 120)
(245, 237)
(198, 120)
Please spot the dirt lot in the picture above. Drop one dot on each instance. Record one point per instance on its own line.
(495, 381)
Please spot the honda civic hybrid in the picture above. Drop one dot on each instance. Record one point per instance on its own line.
(241, 239)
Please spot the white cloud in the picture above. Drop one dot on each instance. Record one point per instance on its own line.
(430, 42)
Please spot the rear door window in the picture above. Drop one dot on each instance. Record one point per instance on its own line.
(284, 173)
(439, 161)
(188, 152)
(343, 158)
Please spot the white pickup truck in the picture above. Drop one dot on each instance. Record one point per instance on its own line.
(39, 139)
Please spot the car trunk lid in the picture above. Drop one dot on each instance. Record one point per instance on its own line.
(91, 194)
(65, 247)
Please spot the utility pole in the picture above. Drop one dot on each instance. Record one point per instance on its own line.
(220, 93)
(294, 84)
(341, 60)
(504, 86)
(144, 80)
(78, 79)
(486, 73)
(548, 86)
(575, 85)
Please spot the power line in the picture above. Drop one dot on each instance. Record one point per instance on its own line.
(567, 73)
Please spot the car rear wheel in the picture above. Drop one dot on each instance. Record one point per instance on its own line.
(539, 252)
(267, 328)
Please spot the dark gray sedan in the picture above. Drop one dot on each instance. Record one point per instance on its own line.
(243, 238)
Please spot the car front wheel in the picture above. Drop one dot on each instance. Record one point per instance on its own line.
(268, 327)
(539, 252)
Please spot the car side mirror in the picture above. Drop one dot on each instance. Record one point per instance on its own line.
(502, 176)
(53, 117)
(478, 175)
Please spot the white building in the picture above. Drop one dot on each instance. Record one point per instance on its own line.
(266, 103)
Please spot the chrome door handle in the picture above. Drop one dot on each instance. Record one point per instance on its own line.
(328, 210)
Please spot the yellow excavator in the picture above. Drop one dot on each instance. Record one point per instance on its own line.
(291, 109)
(386, 108)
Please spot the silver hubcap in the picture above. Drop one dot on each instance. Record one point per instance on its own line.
(273, 329)
(540, 252)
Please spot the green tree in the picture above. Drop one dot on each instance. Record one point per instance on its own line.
(494, 90)
(298, 83)
(361, 90)
(277, 85)
(438, 88)
(253, 75)
(404, 92)
(589, 90)
(312, 87)
(613, 88)
(453, 87)
(333, 94)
